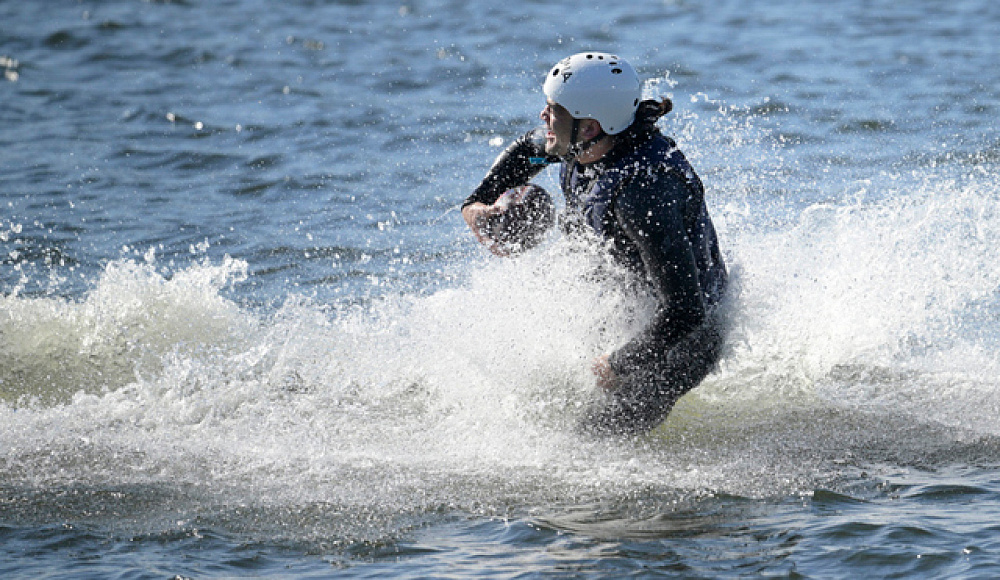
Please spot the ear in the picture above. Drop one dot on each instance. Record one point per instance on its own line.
(590, 128)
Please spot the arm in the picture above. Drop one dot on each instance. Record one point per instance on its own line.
(521, 161)
(650, 211)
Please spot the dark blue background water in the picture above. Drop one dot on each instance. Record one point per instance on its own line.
(244, 332)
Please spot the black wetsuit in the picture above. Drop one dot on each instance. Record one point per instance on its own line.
(646, 199)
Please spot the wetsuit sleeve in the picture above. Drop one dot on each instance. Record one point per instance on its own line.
(651, 212)
(521, 161)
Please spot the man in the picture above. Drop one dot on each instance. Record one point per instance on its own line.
(627, 183)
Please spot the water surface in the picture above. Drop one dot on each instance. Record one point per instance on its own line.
(245, 332)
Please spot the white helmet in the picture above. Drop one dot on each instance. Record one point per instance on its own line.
(596, 85)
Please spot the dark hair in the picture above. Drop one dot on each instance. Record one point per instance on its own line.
(649, 112)
(644, 126)
(652, 109)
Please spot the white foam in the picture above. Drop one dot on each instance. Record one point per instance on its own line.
(857, 321)
(884, 302)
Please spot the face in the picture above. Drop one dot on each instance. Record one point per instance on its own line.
(560, 127)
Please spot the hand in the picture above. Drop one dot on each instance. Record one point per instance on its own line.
(477, 216)
(606, 378)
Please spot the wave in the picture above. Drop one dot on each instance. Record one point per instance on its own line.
(864, 334)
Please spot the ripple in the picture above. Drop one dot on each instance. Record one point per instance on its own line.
(867, 126)
(949, 492)
(65, 40)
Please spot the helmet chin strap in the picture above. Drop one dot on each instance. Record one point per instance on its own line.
(576, 149)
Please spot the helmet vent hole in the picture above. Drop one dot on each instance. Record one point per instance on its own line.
(616, 71)
(555, 72)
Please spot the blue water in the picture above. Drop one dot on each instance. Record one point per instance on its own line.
(245, 333)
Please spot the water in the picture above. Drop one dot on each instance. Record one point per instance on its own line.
(245, 332)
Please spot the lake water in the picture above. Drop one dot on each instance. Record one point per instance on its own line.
(244, 331)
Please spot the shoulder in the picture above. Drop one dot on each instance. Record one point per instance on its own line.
(658, 163)
(656, 191)
(652, 158)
